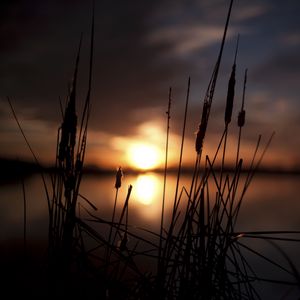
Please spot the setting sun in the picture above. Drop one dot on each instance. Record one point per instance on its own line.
(143, 156)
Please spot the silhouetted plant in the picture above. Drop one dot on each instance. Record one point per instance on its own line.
(198, 255)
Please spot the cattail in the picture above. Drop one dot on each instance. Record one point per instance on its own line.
(68, 128)
(230, 91)
(119, 176)
(202, 128)
(68, 136)
(230, 96)
(242, 113)
(241, 118)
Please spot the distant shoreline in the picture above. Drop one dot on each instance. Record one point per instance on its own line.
(13, 169)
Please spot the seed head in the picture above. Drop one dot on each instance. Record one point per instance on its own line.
(230, 96)
(202, 128)
(241, 118)
(119, 176)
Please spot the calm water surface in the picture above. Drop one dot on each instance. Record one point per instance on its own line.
(271, 203)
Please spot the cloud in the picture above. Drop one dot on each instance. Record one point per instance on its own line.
(291, 39)
(128, 73)
(184, 40)
(279, 73)
(250, 11)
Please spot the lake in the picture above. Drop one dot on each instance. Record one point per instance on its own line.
(272, 203)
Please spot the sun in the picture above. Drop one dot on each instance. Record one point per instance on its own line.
(144, 156)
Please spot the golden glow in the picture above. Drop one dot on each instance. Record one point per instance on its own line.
(146, 188)
(144, 156)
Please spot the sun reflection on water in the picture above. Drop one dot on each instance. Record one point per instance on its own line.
(147, 188)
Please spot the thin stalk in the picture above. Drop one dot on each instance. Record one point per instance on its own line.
(229, 106)
(121, 217)
(212, 84)
(194, 185)
(32, 152)
(165, 179)
(241, 120)
(86, 109)
(223, 156)
(175, 204)
(251, 173)
(113, 217)
(182, 141)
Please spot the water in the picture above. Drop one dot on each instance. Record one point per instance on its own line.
(271, 203)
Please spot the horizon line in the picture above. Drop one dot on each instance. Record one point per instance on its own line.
(11, 166)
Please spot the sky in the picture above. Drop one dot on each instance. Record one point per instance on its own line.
(142, 48)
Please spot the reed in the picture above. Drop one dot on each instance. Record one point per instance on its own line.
(199, 254)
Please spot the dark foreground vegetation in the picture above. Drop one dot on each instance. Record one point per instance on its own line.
(197, 254)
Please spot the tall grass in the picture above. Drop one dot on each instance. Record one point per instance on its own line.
(198, 254)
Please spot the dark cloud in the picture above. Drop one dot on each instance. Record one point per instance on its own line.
(128, 73)
(281, 71)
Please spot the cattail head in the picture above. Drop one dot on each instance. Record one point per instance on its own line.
(202, 128)
(241, 118)
(68, 133)
(119, 176)
(66, 148)
(230, 91)
(199, 139)
(230, 96)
